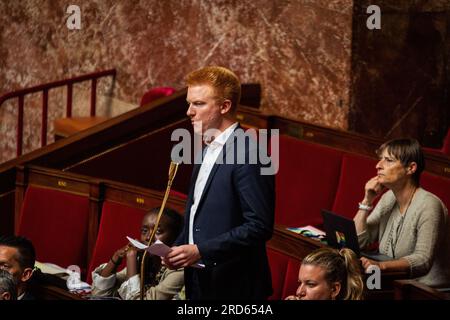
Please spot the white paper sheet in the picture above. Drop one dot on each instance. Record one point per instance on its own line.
(137, 244)
(158, 248)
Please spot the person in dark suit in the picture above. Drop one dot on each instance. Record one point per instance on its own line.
(230, 206)
(17, 256)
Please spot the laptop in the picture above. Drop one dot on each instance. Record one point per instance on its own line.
(341, 232)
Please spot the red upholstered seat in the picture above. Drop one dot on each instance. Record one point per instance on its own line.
(117, 222)
(437, 185)
(306, 181)
(355, 172)
(291, 278)
(156, 93)
(57, 224)
(278, 265)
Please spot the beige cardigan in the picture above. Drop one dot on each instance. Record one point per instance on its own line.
(423, 239)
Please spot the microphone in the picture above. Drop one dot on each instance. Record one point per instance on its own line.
(173, 168)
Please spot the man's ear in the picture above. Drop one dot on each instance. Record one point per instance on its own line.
(335, 289)
(225, 107)
(411, 168)
(26, 274)
(5, 296)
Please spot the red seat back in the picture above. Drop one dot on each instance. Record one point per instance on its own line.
(57, 224)
(291, 278)
(440, 186)
(306, 181)
(355, 172)
(117, 222)
(178, 194)
(156, 93)
(278, 265)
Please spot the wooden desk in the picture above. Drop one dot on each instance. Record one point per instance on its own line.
(413, 290)
(51, 292)
(294, 245)
(298, 246)
(46, 286)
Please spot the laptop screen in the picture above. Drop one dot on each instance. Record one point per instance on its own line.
(340, 231)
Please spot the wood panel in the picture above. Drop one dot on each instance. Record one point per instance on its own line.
(413, 290)
(141, 198)
(6, 212)
(45, 286)
(143, 161)
(351, 142)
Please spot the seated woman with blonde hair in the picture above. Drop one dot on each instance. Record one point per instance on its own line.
(330, 274)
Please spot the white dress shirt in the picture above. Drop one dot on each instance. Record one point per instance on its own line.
(212, 152)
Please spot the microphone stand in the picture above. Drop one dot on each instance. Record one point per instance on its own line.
(172, 172)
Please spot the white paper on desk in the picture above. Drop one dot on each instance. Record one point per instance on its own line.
(158, 248)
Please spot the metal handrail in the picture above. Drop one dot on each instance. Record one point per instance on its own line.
(20, 94)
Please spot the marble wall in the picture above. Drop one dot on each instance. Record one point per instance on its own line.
(299, 50)
(401, 73)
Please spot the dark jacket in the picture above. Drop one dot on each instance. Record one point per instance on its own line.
(232, 223)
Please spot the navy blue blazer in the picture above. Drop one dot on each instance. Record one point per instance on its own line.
(233, 221)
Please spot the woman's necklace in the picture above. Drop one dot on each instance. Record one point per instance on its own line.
(400, 224)
(410, 200)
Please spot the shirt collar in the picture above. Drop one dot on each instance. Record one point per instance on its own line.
(223, 137)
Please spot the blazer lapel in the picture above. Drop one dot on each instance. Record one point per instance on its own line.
(208, 183)
(228, 144)
(194, 176)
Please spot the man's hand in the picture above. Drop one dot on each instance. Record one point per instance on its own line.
(182, 256)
